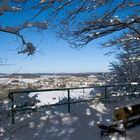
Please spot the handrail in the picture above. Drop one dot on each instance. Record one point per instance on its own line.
(62, 89)
(13, 109)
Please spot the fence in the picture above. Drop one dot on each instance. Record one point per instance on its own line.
(107, 91)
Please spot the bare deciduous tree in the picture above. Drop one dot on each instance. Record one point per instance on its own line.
(77, 21)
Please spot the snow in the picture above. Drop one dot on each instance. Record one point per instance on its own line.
(54, 123)
(53, 97)
(3, 80)
(20, 79)
(26, 80)
(42, 1)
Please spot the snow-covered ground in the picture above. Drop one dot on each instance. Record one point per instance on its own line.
(54, 123)
(25, 80)
(53, 97)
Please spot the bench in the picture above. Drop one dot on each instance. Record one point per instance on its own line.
(111, 129)
(129, 116)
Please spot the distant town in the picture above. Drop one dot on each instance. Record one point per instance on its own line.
(51, 80)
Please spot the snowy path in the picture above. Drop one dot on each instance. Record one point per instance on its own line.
(54, 123)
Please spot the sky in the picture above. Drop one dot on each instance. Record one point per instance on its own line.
(53, 56)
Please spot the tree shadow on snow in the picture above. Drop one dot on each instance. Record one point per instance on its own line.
(55, 123)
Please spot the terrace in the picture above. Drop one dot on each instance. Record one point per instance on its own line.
(70, 113)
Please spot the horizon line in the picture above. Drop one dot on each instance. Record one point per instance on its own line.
(57, 72)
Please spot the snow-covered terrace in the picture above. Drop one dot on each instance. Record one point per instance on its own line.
(55, 123)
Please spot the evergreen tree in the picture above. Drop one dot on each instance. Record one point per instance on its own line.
(127, 68)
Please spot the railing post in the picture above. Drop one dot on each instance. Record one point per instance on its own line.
(139, 92)
(12, 108)
(68, 101)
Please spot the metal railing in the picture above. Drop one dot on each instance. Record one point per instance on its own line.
(109, 90)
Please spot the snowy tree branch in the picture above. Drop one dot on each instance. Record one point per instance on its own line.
(78, 22)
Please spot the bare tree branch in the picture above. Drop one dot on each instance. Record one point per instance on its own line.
(79, 22)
